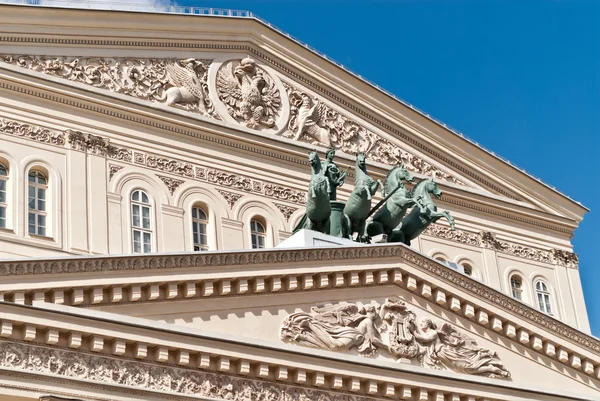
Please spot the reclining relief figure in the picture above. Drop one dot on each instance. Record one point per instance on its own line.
(347, 326)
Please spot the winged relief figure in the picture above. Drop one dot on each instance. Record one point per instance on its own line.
(308, 115)
(187, 86)
(248, 94)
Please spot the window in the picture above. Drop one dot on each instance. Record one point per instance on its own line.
(543, 297)
(468, 269)
(199, 223)
(258, 234)
(516, 287)
(141, 226)
(3, 201)
(36, 202)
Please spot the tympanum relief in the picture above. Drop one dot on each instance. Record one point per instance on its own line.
(394, 329)
(179, 83)
(314, 122)
(240, 91)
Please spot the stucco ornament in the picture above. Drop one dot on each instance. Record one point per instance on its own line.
(313, 121)
(249, 93)
(180, 83)
(391, 328)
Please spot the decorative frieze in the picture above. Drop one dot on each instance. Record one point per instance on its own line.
(113, 371)
(230, 197)
(286, 194)
(178, 83)
(286, 210)
(315, 122)
(488, 240)
(31, 132)
(97, 145)
(171, 183)
(170, 166)
(553, 256)
(464, 237)
(392, 329)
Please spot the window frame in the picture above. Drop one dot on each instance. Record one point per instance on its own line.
(4, 203)
(196, 223)
(544, 304)
(258, 234)
(36, 212)
(516, 292)
(141, 204)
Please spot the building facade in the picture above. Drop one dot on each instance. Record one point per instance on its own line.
(152, 164)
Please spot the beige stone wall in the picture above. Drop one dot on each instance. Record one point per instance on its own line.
(89, 208)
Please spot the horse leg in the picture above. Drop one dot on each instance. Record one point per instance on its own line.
(360, 229)
(345, 226)
(374, 228)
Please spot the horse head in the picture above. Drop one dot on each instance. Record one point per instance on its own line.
(404, 175)
(361, 161)
(314, 160)
(433, 188)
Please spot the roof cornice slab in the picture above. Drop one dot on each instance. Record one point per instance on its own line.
(169, 278)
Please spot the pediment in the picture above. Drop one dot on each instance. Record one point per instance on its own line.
(378, 325)
(225, 88)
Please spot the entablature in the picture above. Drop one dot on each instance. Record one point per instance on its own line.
(136, 356)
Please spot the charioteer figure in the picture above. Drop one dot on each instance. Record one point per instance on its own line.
(333, 173)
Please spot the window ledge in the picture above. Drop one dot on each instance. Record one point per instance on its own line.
(41, 237)
(7, 230)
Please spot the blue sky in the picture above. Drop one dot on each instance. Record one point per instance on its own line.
(522, 78)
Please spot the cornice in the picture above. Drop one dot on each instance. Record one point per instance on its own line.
(94, 144)
(140, 355)
(295, 256)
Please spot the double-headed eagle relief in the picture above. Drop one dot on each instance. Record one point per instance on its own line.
(249, 94)
(393, 329)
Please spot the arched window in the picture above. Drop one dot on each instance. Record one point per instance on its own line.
(36, 202)
(516, 287)
(468, 269)
(543, 297)
(141, 225)
(199, 223)
(258, 234)
(3, 201)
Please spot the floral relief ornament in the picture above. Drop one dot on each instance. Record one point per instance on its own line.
(144, 376)
(347, 326)
(175, 82)
(249, 93)
(314, 122)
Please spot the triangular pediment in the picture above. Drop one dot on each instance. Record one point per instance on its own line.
(213, 74)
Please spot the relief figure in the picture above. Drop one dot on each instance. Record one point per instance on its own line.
(336, 328)
(446, 347)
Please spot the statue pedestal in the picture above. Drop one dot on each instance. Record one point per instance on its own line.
(335, 221)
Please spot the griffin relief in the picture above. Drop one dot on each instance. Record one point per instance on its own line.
(249, 94)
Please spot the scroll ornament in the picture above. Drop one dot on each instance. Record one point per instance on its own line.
(391, 328)
(314, 122)
(177, 83)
